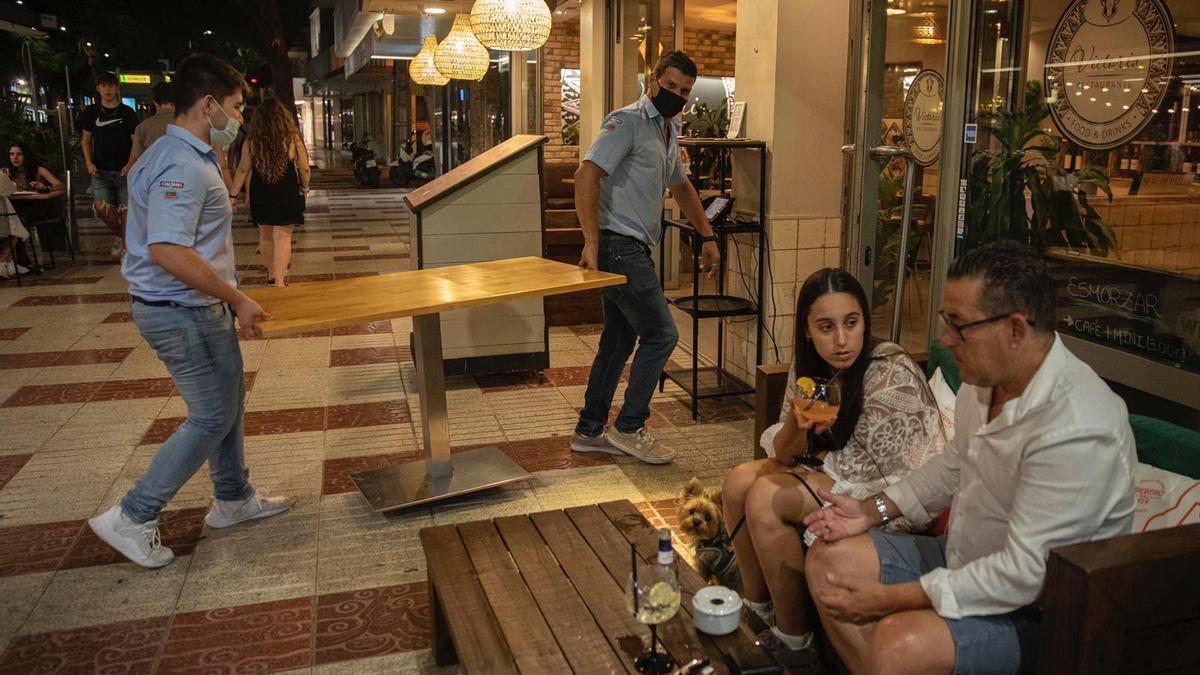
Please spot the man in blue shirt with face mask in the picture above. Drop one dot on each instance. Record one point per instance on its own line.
(186, 304)
(619, 198)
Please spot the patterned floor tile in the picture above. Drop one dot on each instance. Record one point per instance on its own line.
(524, 379)
(61, 484)
(547, 454)
(360, 548)
(372, 622)
(92, 596)
(336, 477)
(122, 647)
(12, 333)
(255, 638)
(359, 441)
(262, 561)
(78, 299)
(360, 384)
(576, 487)
(372, 413)
(52, 394)
(9, 466)
(419, 662)
(26, 549)
(21, 593)
(367, 355)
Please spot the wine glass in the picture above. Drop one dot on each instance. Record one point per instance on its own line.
(653, 597)
(823, 403)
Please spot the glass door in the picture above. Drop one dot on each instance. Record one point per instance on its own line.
(895, 163)
(641, 31)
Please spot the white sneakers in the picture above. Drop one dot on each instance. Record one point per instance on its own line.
(597, 443)
(118, 248)
(9, 269)
(137, 541)
(140, 541)
(258, 505)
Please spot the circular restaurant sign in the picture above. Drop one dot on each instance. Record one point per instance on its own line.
(1107, 69)
(923, 117)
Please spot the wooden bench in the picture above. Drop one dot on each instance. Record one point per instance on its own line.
(546, 593)
(1128, 604)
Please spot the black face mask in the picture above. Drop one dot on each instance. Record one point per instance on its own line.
(668, 102)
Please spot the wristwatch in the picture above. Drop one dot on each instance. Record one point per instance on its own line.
(881, 507)
(711, 237)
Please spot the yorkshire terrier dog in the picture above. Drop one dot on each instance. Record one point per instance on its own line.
(701, 520)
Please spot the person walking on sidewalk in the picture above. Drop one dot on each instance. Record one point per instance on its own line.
(185, 302)
(619, 198)
(275, 159)
(154, 127)
(107, 144)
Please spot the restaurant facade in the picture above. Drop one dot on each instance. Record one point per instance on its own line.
(898, 134)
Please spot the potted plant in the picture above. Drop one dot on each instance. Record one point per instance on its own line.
(1018, 192)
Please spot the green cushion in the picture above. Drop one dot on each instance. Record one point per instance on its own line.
(940, 357)
(1167, 446)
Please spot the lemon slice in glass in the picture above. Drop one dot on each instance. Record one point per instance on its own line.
(806, 386)
(662, 595)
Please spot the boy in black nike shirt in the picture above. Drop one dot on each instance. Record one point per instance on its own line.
(107, 140)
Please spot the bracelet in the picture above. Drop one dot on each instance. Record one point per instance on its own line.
(881, 507)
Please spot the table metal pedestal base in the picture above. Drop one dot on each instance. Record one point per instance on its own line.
(402, 485)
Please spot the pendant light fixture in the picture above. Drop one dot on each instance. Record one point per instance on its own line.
(389, 23)
(511, 25)
(422, 69)
(928, 32)
(461, 56)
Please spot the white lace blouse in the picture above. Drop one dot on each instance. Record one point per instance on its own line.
(898, 430)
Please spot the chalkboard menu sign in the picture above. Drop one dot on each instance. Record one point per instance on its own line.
(1136, 309)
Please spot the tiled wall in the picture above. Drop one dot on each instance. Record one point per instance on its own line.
(797, 248)
(561, 51)
(1162, 232)
(712, 50)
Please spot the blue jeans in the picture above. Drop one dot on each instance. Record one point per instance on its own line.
(634, 310)
(110, 187)
(999, 644)
(200, 349)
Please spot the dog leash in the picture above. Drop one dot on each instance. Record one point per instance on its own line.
(742, 521)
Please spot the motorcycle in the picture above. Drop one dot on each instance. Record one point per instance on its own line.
(366, 169)
(414, 164)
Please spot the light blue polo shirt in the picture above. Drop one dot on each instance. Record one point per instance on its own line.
(177, 196)
(641, 163)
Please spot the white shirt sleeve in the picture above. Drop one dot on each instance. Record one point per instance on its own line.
(1066, 487)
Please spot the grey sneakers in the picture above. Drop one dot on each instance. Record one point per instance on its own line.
(257, 505)
(640, 444)
(137, 541)
(597, 443)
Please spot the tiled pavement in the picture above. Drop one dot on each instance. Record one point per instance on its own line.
(330, 586)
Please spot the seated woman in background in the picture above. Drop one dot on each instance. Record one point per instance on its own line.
(887, 425)
(26, 172)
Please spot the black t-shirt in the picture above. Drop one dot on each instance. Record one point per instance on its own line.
(112, 134)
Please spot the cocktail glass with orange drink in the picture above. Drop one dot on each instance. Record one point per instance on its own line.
(819, 399)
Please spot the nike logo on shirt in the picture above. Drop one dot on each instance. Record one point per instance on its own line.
(105, 123)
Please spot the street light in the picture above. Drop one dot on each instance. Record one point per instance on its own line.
(106, 55)
(208, 32)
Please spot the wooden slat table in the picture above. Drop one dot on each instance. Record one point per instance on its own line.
(546, 593)
(423, 295)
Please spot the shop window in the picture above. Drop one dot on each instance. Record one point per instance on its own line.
(1111, 91)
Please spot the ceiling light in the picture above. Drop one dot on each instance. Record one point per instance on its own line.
(422, 69)
(1092, 99)
(461, 56)
(511, 25)
(433, 11)
(62, 28)
(89, 44)
(208, 32)
(928, 32)
(389, 23)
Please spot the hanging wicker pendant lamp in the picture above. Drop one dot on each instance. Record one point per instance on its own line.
(512, 25)
(461, 56)
(422, 69)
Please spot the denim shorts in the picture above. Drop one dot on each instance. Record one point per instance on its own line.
(998, 644)
(109, 187)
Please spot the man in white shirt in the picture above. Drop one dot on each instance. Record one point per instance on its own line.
(1043, 457)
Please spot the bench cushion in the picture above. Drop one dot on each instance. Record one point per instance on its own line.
(1167, 446)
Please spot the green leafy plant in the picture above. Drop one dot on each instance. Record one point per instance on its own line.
(570, 133)
(1023, 167)
(708, 122)
(16, 126)
(887, 228)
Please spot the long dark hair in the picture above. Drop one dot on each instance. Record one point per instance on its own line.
(29, 167)
(808, 362)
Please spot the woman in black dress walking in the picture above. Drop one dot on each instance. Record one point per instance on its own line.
(275, 159)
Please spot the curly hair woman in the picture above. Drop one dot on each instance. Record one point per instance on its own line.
(275, 159)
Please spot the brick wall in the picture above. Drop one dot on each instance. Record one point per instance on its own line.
(712, 50)
(561, 51)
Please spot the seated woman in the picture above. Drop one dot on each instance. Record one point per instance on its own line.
(24, 169)
(887, 425)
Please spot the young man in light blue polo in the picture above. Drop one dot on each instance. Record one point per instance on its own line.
(185, 302)
(619, 190)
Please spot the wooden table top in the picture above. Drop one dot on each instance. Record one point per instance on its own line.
(546, 592)
(38, 195)
(345, 302)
